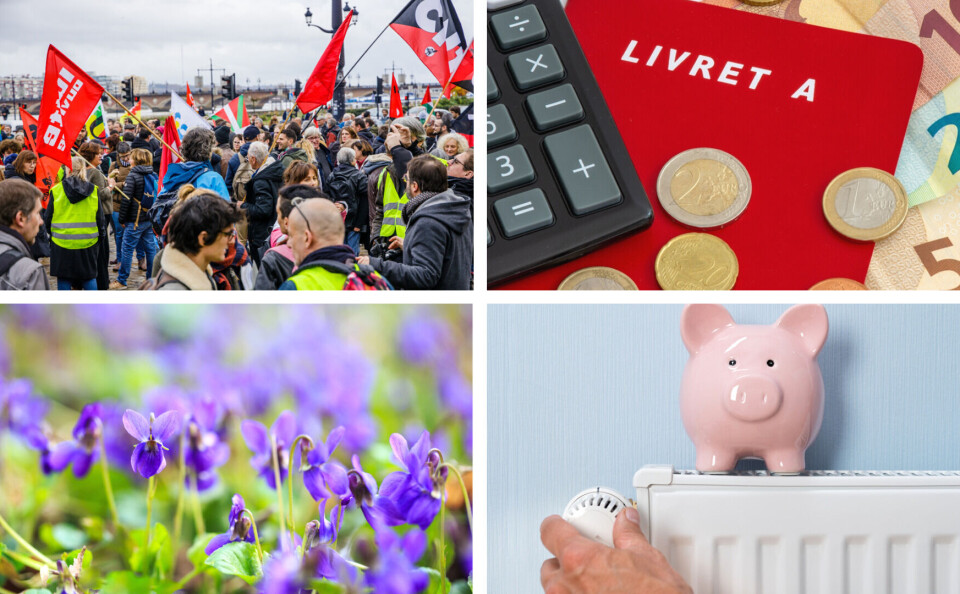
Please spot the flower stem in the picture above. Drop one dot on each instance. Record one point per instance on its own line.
(178, 515)
(466, 496)
(151, 482)
(443, 559)
(290, 482)
(197, 509)
(186, 579)
(279, 487)
(13, 534)
(107, 485)
(256, 535)
(28, 561)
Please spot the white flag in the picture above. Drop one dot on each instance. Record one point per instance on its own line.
(185, 115)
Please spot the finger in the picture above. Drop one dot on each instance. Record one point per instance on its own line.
(548, 571)
(556, 534)
(627, 533)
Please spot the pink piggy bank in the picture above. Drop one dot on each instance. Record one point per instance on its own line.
(752, 391)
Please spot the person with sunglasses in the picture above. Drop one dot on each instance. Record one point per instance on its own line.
(199, 234)
(323, 262)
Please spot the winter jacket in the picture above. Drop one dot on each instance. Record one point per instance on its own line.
(261, 203)
(292, 154)
(226, 155)
(75, 265)
(234, 163)
(324, 163)
(335, 253)
(462, 186)
(10, 173)
(133, 188)
(347, 184)
(199, 174)
(26, 274)
(366, 135)
(437, 249)
(276, 266)
(123, 169)
(185, 275)
(371, 168)
(96, 177)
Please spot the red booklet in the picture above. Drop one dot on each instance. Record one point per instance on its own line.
(795, 103)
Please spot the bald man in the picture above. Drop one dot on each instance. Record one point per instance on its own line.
(323, 261)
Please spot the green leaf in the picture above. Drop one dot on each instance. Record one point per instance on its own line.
(239, 559)
(87, 559)
(461, 587)
(325, 587)
(197, 555)
(36, 591)
(69, 537)
(158, 558)
(435, 581)
(124, 582)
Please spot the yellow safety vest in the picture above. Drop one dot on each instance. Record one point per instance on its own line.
(393, 204)
(318, 278)
(74, 226)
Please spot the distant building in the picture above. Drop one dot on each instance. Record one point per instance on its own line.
(139, 85)
(20, 87)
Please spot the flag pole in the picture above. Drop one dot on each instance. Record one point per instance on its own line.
(139, 121)
(354, 65)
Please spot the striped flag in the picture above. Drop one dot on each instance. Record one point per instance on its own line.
(236, 114)
(95, 126)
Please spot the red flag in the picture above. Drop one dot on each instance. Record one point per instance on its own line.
(318, 90)
(396, 108)
(432, 30)
(69, 96)
(426, 97)
(463, 77)
(172, 138)
(189, 96)
(46, 167)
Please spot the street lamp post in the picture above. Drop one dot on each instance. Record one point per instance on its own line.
(337, 10)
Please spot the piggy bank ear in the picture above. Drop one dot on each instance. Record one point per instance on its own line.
(699, 322)
(809, 322)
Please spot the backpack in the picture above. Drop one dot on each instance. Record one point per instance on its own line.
(240, 178)
(159, 213)
(149, 191)
(157, 282)
(8, 259)
(360, 277)
(339, 188)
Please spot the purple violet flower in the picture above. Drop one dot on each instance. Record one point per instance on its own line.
(284, 431)
(282, 573)
(83, 451)
(412, 496)
(322, 476)
(363, 492)
(239, 527)
(20, 411)
(204, 450)
(396, 572)
(147, 458)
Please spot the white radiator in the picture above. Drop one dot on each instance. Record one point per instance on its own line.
(878, 532)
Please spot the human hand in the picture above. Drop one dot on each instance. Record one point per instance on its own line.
(393, 137)
(396, 243)
(364, 260)
(405, 139)
(340, 206)
(582, 566)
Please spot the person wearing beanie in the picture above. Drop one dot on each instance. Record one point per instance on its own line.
(225, 141)
(250, 134)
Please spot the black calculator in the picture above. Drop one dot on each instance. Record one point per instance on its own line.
(560, 182)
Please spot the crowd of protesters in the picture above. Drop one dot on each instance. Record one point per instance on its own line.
(362, 203)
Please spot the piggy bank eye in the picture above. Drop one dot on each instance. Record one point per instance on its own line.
(769, 362)
(733, 362)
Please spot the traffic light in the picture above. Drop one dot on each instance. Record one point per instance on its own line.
(228, 86)
(379, 98)
(297, 86)
(5, 111)
(127, 89)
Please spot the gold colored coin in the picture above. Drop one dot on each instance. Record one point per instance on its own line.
(838, 284)
(704, 187)
(697, 262)
(865, 204)
(597, 278)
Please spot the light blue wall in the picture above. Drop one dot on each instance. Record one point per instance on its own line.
(580, 396)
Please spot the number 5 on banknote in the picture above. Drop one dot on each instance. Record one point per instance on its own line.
(930, 262)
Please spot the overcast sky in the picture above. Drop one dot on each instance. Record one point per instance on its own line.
(266, 39)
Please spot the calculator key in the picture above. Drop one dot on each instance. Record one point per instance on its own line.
(523, 213)
(554, 107)
(518, 27)
(500, 128)
(508, 168)
(493, 92)
(498, 4)
(585, 176)
(536, 67)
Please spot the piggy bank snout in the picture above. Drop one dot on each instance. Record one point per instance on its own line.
(753, 398)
